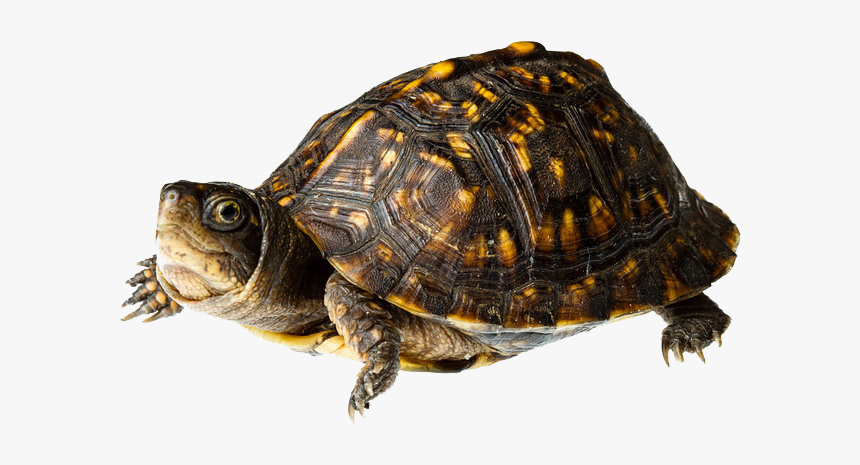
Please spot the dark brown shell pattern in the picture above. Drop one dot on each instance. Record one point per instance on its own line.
(507, 190)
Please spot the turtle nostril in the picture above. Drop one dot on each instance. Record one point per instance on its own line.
(170, 195)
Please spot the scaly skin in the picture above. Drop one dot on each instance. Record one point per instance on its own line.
(368, 328)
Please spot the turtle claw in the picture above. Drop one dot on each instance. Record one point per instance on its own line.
(352, 409)
(697, 347)
(149, 291)
(691, 335)
(676, 349)
(665, 347)
(674, 345)
(376, 376)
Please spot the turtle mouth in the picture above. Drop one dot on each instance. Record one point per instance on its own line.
(193, 268)
(173, 229)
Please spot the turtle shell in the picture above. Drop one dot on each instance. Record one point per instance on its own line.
(508, 190)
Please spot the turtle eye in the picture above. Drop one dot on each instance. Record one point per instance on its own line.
(225, 214)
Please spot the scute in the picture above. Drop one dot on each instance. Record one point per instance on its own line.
(508, 190)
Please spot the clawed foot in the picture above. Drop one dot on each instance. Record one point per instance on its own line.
(149, 291)
(377, 375)
(693, 335)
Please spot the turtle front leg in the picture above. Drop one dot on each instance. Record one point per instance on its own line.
(367, 328)
(693, 324)
(149, 291)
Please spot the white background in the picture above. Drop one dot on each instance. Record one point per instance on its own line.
(103, 102)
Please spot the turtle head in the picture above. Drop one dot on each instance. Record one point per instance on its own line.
(237, 254)
(209, 239)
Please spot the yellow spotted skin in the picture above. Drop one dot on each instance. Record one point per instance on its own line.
(510, 191)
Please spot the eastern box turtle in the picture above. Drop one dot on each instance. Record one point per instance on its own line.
(454, 216)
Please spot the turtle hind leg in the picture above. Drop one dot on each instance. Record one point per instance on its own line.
(693, 324)
(149, 291)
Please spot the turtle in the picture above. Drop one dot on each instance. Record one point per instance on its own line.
(452, 217)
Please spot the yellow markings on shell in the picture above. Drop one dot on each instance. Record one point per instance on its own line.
(396, 84)
(369, 179)
(408, 87)
(276, 184)
(522, 48)
(384, 133)
(628, 267)
(571, 80)
(434, 101)
(610, 117)
(458, 145)
(359, 219)
(441, 70)
(594, 205)
(522, 72)
(466, 198)
(536, 121)
(672, 288)
(348, 137)
(532, 122)
(580, 286)
(569, 232)
(437, 161)
(471, 110)
(507, 248)
(660, 200)
(476, 252)
(529, 291)
(286, 201)
(521, 150)
(545, 85)
(598, 134)
(601, 219)
(484, 92)
(556, 166)
(388, 158)
(383, 252)
(430, 97)
(634, 154)
(482, 247)
(546, 234)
